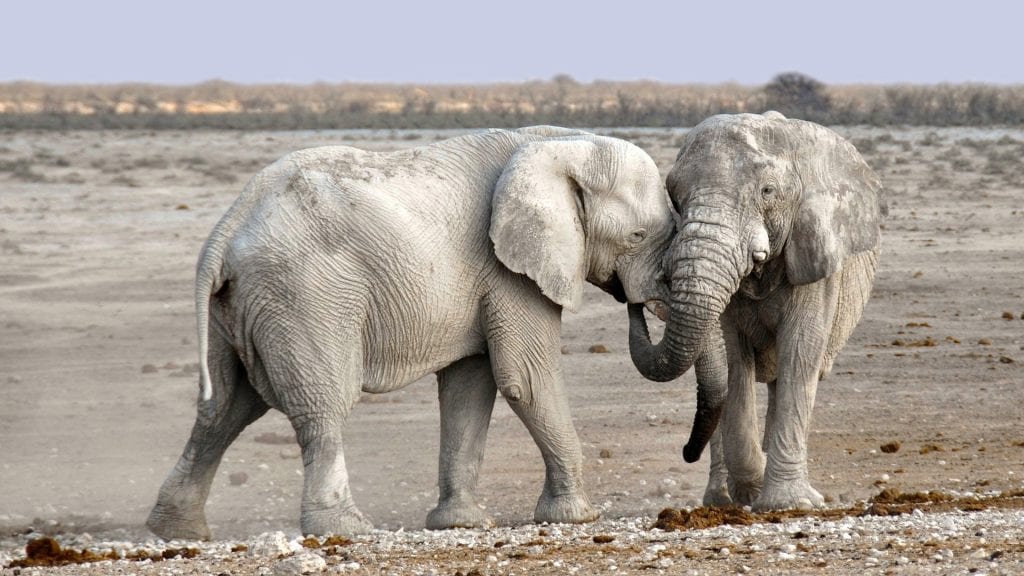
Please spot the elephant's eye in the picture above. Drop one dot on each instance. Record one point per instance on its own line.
(767, 190)
(638, 236)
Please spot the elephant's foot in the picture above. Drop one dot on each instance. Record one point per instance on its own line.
(565, 509)
(744, 492)
(340, 521)
(785, 495)
(170, 522)
(717, 493)
(746, 477)
(458, 514)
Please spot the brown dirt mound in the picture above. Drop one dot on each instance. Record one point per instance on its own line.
(890, 447)
(894, 496)
(888, 502)
(46, 551)
(672, 519)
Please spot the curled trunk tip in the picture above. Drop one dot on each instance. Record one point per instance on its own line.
(657, 362)
(692, 453)
(712, 370)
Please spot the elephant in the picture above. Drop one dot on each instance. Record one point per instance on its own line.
(339, 271)
(770, 271)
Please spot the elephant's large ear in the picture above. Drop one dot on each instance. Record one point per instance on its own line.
(841, 207)
(536, 218)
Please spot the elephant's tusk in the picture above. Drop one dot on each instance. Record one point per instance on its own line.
(658, 308)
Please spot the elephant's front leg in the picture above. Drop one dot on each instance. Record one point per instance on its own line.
(466, 392)
(744, 457)
(545, 411)
(801, 345)
(526, 360)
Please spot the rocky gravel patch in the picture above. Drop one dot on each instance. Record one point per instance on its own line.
(935, 533)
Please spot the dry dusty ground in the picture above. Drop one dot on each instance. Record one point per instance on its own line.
(98, 237)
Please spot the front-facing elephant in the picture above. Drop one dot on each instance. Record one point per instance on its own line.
(770, 271)
(339, 271)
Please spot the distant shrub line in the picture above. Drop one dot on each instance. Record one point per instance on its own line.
(562, 101)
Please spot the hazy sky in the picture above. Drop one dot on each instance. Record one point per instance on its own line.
(466, 41)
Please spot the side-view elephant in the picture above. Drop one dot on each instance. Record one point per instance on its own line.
(770, 272)
(339, 270)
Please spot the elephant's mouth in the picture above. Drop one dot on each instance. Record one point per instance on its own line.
(658, 308)
(614, 287)
(758, 270)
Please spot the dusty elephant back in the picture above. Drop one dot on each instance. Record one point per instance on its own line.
(342, 232)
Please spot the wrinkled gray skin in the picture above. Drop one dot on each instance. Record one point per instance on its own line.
(770, 271)
(339, 271)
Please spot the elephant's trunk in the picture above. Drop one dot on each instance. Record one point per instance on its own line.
(712, 386)
(705, 276)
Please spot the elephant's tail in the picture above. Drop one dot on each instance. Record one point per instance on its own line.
(209, 279)
(211, 273)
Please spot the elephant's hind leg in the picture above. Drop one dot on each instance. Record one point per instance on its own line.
(744, 458)
(178, 512)
(317, 379)
(466, 391)
(717, 491)
(327, 504)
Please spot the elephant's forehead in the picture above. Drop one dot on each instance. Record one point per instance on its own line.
(741, 133)
(733, 149)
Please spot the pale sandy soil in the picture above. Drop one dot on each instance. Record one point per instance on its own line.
(98, 237)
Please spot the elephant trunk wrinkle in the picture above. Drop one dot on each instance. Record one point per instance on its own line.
(701, 288)
(704, 280)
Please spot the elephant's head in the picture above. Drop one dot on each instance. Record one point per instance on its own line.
(757, 195)
(581, 208)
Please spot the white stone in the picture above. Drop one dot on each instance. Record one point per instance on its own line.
(272, 544)
(299, 564)
(655, 548)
